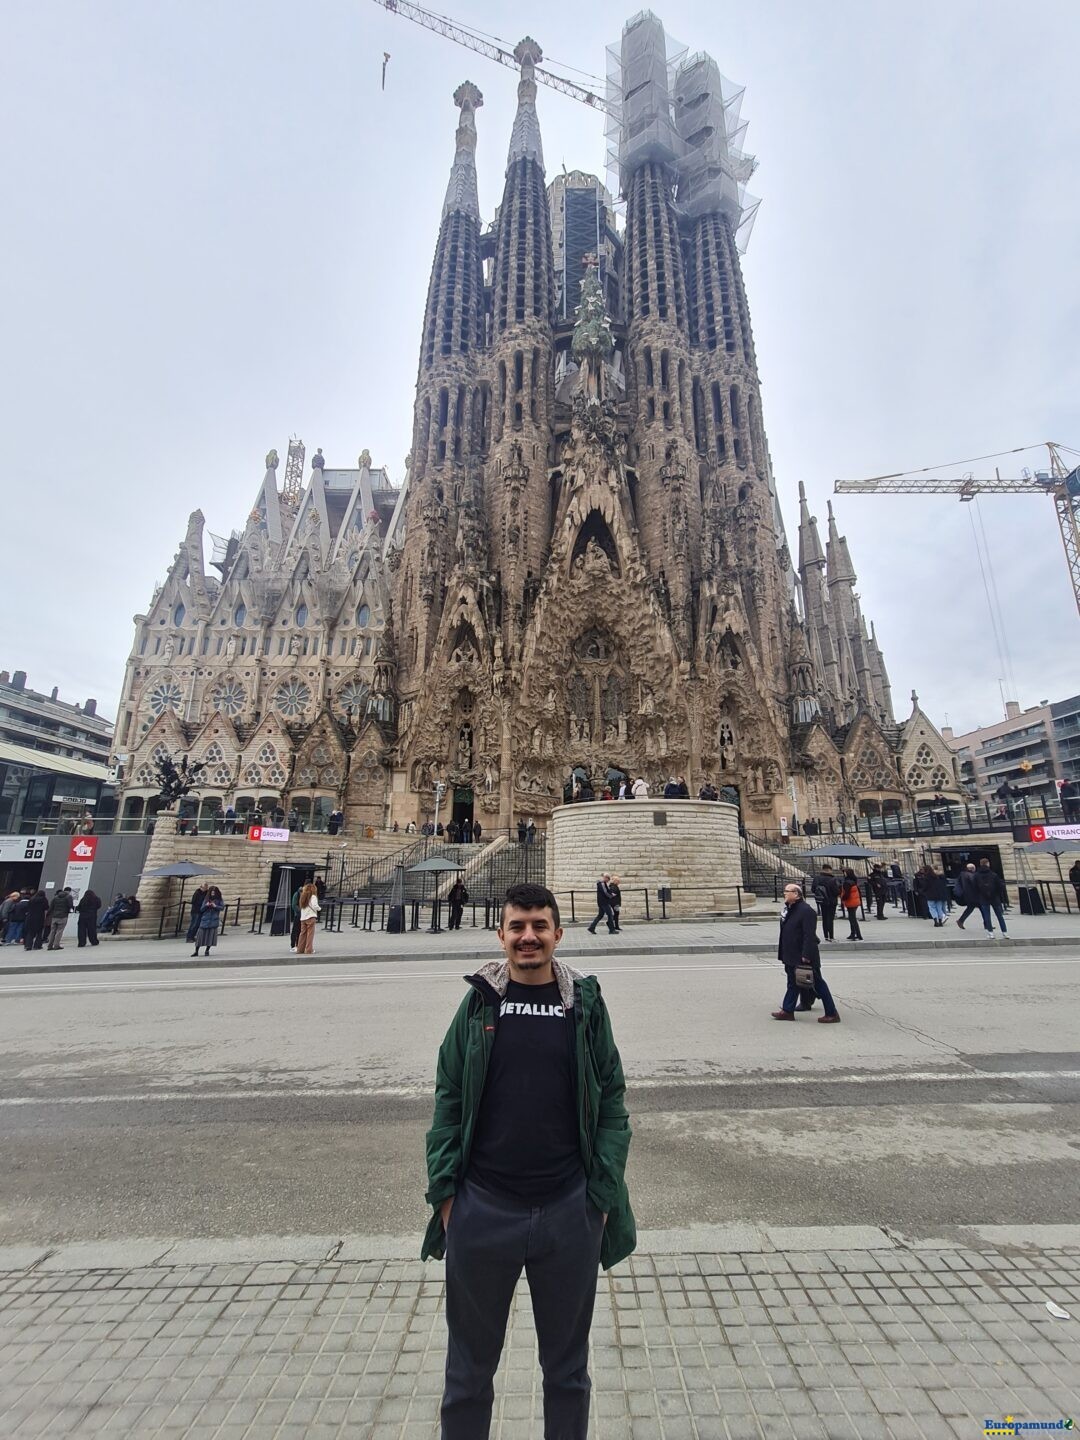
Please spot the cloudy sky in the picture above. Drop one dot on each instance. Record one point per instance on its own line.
(219, 232)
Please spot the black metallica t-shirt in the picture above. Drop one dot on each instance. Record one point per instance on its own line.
(526, 1141)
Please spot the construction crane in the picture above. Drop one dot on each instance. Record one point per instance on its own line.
(489, 46)
(1061, 481)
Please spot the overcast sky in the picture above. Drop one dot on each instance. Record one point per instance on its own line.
(219, 232)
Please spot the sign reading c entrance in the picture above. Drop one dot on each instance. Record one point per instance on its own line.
(265, 832)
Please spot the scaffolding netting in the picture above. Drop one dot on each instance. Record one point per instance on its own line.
(667, 106)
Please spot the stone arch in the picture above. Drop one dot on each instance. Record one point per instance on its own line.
(595, 528)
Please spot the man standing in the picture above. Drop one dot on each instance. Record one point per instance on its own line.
(60, 907)
(799, 947)
(1074, 880)
(604, 910)
(827, 895)
(879, 889)
(525, 1161)
(457, 899)
(197, 897)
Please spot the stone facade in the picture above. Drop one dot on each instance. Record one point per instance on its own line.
(590, 579)
(690, 845)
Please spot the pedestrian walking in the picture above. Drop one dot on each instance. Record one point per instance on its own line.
(526, 1158)
(294, 919)
(7, 920)
(1074, 880)
(60, 907)
(851, 899)
(616, 902)
(197, 897)
(934, 889)
(209, 920)
(603, 905)
(969, 894)
(17, 919)
(827, 894)
(457, 900)
(87, 909)
(992, 896)
(800, 955)
(309, 913)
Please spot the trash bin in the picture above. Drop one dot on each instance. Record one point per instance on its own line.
(1031, 901)
(395, 920)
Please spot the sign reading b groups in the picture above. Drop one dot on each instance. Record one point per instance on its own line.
(265, 832)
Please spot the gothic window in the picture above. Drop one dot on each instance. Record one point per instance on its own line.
(736, 422)
(253, 775)
(938, 778)
(292, 698)
(665, 370)
(275, 775)
(353, 697)
(214, 754)
(320, 754)
(228, 697)
(165, 696)
(330, 776)
(144, 775)
(924, 756)
(178, 614)
(240, 615)
(267, 755)
(301, 616)
(221, 776)
(363, 615)
(700, 437)
(307, 775)
(916, 779)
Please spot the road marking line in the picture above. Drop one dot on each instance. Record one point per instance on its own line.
(397, 976)
(685, 1082)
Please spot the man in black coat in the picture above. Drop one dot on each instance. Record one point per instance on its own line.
(799, 946)
(827, 895)
(992, 896)
(604, 909)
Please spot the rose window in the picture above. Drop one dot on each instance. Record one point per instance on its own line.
(292, 698)
(165, 696)
(228, 697)
(353, 696)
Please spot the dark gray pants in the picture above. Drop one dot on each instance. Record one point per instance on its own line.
(491, 1238)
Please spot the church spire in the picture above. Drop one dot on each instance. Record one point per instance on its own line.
(525, 137)
(461, 192)
(810, 552)
(841, 570)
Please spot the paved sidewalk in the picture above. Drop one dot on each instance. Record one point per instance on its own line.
(754, 934)
(811, 1341)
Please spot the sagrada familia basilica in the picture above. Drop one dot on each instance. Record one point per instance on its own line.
(585, 570)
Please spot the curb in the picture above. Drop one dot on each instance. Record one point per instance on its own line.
(467, 956)
(731, 1239)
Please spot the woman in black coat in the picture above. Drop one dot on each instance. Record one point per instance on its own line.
(87, 908)
(37, 918)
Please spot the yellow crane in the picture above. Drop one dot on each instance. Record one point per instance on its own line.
(1060, 481)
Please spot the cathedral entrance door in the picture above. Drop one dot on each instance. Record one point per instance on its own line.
(463, 806)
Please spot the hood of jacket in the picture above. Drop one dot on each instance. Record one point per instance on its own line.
(496, 973)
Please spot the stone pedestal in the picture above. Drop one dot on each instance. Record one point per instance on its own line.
(690, 846)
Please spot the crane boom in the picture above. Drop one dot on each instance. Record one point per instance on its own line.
(442, 26)
(1059, 482)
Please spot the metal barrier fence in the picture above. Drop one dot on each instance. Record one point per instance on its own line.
(377, 912)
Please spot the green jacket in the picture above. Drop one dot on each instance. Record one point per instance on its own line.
(604, 1126)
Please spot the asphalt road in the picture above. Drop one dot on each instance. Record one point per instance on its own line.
(252, 1101)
